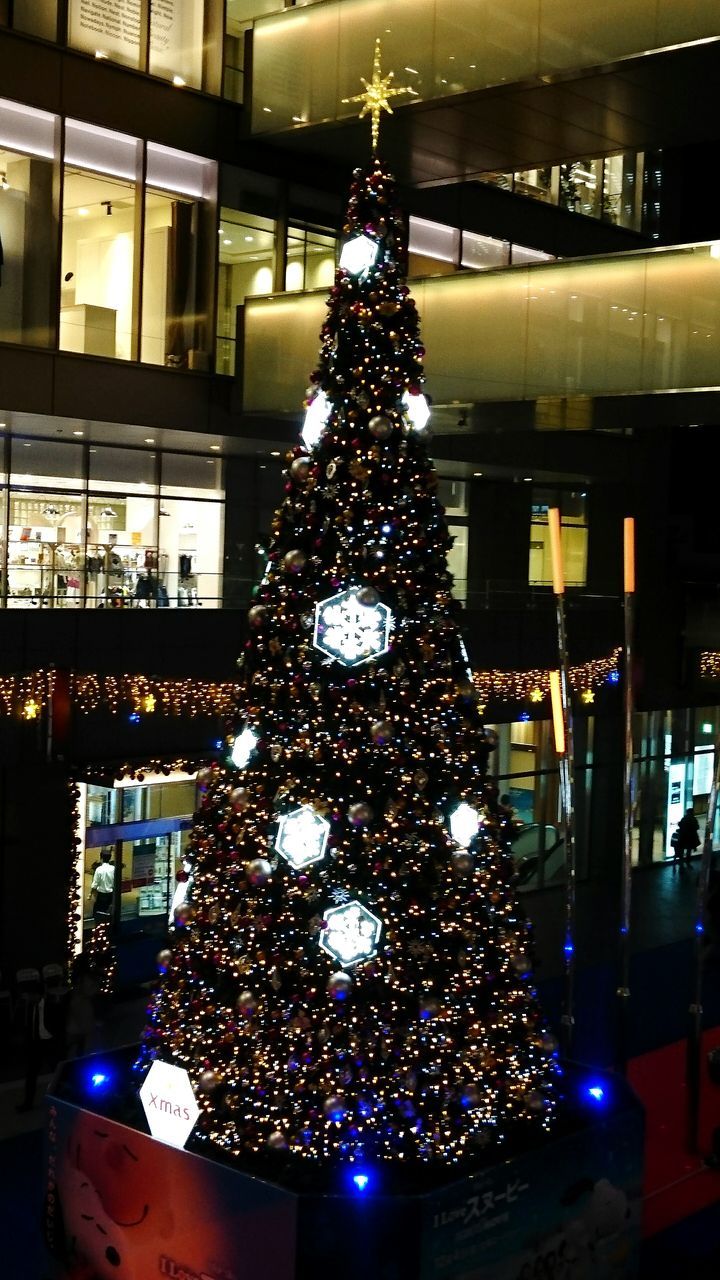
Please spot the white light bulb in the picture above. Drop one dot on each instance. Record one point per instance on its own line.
(318, 412)
(464, 823)
(417, 410)
(243, 747)
(358, 255)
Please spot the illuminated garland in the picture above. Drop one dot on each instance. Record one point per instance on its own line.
(27, 696)
(534, 686)
(710, 664)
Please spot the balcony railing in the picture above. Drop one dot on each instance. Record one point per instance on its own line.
(637, 322)
(307, 59)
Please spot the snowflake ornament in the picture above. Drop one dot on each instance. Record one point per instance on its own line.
(349, 631)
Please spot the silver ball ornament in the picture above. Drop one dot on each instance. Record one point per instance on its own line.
(380, 427)
(520, 963)
(208, 1081)
(339, 984)
(360, 813)
(429, 1007)
(470, 1096)
(462, 862)
(300, 470)
(258, 871)
(294, 561)
(381, 731)
(246, 1004)
(334, 1108)
(277, 1141)
(367, 596)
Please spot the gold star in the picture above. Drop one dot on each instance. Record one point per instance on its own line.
(588, 695)
(536, 695)
(31, 709)
(376, 97)
(149, 702)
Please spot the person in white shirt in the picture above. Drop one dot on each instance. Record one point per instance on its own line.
(101, 889)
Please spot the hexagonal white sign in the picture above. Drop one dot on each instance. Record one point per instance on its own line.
(464, 823)
(169, 1103)
(358, 255)
(350, 631)
(302, 837)
(351, 934)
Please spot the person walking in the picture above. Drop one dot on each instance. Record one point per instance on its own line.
(688, 837)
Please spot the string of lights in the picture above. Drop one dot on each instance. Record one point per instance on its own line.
(27, 696)
(710, 664)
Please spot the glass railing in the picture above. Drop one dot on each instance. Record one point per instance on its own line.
(638, 322)
(306, 60)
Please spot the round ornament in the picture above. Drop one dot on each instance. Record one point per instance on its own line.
(182, 915)
(381, 732)
(239, 798)
(334, 1108)
(277, 1141)
(164, 958)
(520, 963)
(258, 871)
(300, 470)
(208, 1081)
(294, 561)
(367, 596)
(470, 1096)
(429, 1007)
(463, 862)
(204, 777)
(331, 470)
(339, 985)
(534, 1100)
(380, 427)
(359, 814)
(257, 615)
(246, 1004)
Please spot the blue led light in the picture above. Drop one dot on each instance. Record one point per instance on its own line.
(613, 677)
(596, 1092)
(699, 927)
(361, 1181)
(568, 948)
(98, 1079)
(524, 715)
(134, 717)
(219, 744)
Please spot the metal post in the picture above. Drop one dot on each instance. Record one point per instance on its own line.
(695, 1012)
(562, 715)
(623, 991)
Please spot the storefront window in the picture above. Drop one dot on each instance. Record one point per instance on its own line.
(175, 315)
(673, 771)
(28, 224)
(246, 256)
(172, 31)
(98, 282)
(574, 535)
(115, 539)
(141, 831)
(176, 41)
(609, 188)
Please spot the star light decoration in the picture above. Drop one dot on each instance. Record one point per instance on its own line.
(350, 631)
(376, 97)
(351, 934)
(302, 837)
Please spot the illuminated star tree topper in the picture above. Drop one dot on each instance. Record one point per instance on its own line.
(377, 94)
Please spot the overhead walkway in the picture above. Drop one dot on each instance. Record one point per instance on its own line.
(645, 322)
(496, 82)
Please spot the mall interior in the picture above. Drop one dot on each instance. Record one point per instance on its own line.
(172, 183)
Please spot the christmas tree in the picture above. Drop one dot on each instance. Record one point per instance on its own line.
(349, 976)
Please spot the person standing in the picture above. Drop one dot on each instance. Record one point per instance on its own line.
(102, 887)
(688, 837)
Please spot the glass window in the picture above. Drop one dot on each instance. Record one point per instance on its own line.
(310, 259)
(108, 29)
(239, 17)
(185, 475)
(45, 549)
(573, 532)
(176, 271)
(46, 463)
(176, 41)
(122, 469)
(246, 257)
(35, 18)
(535, 183)
(28, 225)
(97, 309)
(580, 187)
(482, 252)
(191, 549)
